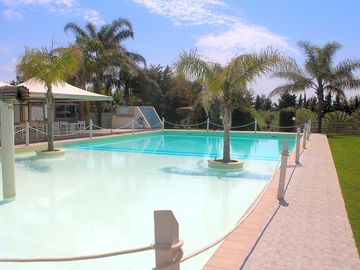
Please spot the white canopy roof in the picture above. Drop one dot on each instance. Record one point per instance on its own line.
(3, 84)
(37, 90)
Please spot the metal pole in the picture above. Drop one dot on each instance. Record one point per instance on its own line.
(207, 124)
(91, 128)
(304, 136)
(309, 127)
(27, 133)
(255, 126)
(132, 126)
(297, 156)
(284, 157)
(167, 244)
(163, 123)
(7, 148)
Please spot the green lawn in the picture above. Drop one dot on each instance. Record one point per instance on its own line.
(346, 154)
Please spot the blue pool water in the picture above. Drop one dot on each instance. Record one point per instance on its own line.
(243, 146)
(101, 195)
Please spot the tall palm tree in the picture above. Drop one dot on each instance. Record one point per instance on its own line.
(103, 50)
(224, 84)
(319, 74)
(49, 67)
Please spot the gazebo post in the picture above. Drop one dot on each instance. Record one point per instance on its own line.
(7, 148)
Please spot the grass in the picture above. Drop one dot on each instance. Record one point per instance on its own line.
(346, 154)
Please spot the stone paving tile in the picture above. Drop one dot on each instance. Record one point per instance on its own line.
(311, 232)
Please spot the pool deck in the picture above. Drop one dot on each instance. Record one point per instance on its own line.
(310, 230)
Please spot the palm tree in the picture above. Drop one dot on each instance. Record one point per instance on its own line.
(223, 84)
(103, 50)
(318, 74)
(49, 67)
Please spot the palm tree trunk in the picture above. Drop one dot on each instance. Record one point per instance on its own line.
(227, 120)
(320, 96)
(50, 118)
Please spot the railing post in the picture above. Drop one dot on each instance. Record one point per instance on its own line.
(91, 128)
(283, 165)
(163, 123)
(207, 124)
(27, 133)
(308, 130)
(305, 135)
(132, 126)
(7, 149)
(167, 246)
(309, 127)
(297, 156)
(255, 126)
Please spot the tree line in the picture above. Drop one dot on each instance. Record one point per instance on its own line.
(106, 66)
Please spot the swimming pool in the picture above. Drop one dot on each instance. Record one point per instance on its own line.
(101, 196)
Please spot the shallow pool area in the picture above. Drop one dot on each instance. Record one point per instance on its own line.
(101, 195)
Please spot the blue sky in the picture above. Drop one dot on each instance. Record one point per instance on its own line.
(218, 28)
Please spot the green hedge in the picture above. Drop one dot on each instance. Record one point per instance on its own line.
(286, 120)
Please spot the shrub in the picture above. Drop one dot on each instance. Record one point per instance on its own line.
(267, 120)
(355, 119)
(242, 117)
(286, 121)
(303, 116)
(336, 120)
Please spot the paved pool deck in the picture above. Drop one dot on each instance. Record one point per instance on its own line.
(310, 230)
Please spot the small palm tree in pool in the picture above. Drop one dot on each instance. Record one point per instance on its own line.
(49, 67)
(223, 84)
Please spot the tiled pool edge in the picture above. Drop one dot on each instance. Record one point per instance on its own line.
(233, 251)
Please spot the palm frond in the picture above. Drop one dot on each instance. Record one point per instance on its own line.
(76, 29)
(192, 65)
(287, 88)
(92, 30)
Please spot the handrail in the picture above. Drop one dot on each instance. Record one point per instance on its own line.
(264, 124)
(244, 125)
(184, 125)
(79, 258)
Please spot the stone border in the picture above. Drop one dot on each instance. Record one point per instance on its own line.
(50, 154)
(232, 165)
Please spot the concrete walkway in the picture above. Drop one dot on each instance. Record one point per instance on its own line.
(311, 231)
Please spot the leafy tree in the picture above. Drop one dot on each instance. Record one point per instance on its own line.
(300, 102)
(223, 84)
(319, 74)
(337, 104)
(103, 50)
(312, 104)
(354, 104)
(328, 103)
(49, 67)
(287, 100)
(262, 103)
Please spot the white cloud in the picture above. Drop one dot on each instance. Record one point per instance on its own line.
(230, 35)
(92, 16)
(240, 38)
(12, 15)
(16, 8)
(188, 12)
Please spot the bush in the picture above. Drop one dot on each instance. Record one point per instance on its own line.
(336, 120)
(242, 117)
(267, 120)
(286, 121)
(303, 116)
(355, 119)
